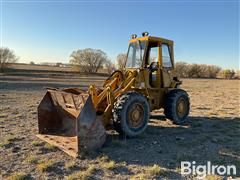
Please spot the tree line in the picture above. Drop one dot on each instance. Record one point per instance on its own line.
(91, 60)
(186, 70)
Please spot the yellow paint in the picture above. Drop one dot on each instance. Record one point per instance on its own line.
(133, 80)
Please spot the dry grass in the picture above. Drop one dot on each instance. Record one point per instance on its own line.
(140, 176)
(8, 140)
(18, 176)
(178, 170)
(106, 163)
(83, 174)
(153, 170)
(213, 177)
(36, 143)
(3, 115)
(2, 120)
(70, 164)
(103, 158)
(150, 172)
(50, 147)
(111, 165)
(32, 159)
(45, 165)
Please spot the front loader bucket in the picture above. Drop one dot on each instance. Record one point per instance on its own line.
(68, 120)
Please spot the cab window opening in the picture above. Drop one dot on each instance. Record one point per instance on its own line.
(166, 57)
(135, 54)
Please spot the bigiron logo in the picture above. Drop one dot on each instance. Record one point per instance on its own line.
(201, 171)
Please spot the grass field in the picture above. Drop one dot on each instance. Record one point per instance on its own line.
(212, 133)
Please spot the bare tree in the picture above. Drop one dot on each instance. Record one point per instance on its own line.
(7, 56)
(110, 66)
(88, 60)
(121, 60)
(181, 69)
(213, 71)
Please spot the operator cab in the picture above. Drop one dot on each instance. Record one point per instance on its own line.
(154, 54)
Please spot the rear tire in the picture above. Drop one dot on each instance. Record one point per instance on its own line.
(131, 114)
(177, 106)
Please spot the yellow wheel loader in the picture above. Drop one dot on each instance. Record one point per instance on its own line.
(76, 120)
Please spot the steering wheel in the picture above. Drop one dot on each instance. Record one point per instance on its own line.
(153, 66)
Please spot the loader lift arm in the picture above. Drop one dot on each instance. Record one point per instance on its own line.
(115, 85)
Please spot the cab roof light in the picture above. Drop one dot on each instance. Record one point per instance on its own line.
(145, 34)
(133, 36)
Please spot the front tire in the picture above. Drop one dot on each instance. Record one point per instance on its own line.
(131, 114)
(177, 106)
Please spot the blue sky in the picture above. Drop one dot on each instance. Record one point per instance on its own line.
(203, 31)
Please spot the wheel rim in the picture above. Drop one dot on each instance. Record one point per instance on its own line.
(135, 115)
(181, 107)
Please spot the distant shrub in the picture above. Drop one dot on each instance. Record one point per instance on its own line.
(186, 70)
(212, 71)
(194, 71)
(181, 69)
(237, 74)
(227, 74)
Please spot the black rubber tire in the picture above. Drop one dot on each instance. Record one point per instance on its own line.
(120, 114)
(170, 105)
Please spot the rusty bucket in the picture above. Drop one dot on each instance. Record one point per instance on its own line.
(67, 119)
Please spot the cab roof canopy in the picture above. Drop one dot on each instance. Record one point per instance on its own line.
(153, 39)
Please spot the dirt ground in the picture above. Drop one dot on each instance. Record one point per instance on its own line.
(212, 133)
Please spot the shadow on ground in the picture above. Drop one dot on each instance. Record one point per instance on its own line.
(201, 139)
